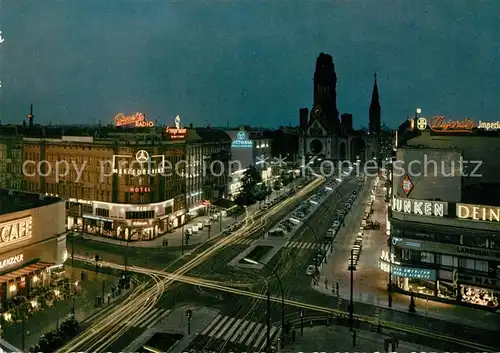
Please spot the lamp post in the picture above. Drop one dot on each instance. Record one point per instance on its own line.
(389, 290)
(352, 268)
(182, 239)
(253, 262)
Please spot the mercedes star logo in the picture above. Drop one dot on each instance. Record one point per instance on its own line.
(421, 123)
(142, 156)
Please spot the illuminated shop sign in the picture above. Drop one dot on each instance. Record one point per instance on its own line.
(176, 133)
(138, 120)
(13, 260)
(142, 164)
(403, 271)
(489, 125)
(478, 212)
(441, 124)
(419, 207)
(479, 281)
(140, 189)
(15, 231)
(478, 252)
(140, 223)
(242, 140)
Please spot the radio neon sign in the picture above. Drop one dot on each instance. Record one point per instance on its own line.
(138, 119)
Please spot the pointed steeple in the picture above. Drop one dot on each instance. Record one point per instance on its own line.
(374, 111)
(375, 97)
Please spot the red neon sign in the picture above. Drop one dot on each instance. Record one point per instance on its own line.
(176, 133)
(139, 119)
(440, 124)
(140, 189)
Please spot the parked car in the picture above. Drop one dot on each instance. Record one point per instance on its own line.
(310, 270)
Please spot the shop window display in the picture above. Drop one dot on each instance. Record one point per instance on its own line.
(480, 296)
(420, 286)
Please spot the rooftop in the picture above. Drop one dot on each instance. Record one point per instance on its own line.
(15, 201)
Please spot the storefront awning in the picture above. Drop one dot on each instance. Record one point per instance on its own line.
(223, 203)
(23, 271)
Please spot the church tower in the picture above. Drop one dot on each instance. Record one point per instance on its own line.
(325, 92)
(374, 123)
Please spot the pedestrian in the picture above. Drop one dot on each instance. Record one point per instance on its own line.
(354, 338)
(166, 242)
(337, 285)
(326, 283)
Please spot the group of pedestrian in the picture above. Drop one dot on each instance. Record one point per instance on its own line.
(165, 242)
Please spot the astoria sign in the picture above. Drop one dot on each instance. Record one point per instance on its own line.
(138, 120)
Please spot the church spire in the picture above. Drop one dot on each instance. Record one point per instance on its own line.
(375, 97)
(374, 111)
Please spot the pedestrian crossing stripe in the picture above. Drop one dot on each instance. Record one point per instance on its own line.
(149, 318)
(303, 245)
(240, 331)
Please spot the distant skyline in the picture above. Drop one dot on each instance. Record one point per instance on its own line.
(247, 62)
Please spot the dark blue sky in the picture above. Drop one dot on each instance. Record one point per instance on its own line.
(246, 62)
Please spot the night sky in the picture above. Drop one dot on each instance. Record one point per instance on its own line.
(246, 62)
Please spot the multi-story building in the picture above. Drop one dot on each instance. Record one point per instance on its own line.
(444, 217)
(32, 245)
(249, 147)
(122, 182)
(208, 153)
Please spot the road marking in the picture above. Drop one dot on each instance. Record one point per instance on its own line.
(209, 327)
(249, 328)
(238, 332)
(225, 327)
(224, 319)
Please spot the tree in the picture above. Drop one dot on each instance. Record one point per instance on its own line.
(251, 188)
(277, 185)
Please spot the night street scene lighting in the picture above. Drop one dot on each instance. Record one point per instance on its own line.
(178, 184)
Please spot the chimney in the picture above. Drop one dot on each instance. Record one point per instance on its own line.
(304, 118)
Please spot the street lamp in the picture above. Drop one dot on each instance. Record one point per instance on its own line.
(254, 262)
(389, 290)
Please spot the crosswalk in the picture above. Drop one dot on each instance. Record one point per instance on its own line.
(304, 245)
(290, 244)
(149, 318)
(235, 333)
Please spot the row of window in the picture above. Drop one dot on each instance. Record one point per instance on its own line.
(469, 239)
(443, 260)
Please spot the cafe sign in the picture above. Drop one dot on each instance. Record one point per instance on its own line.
(10, 261)
(138, 120)
(420, 207)
(15, 231)
(478, 212)
(176, 133)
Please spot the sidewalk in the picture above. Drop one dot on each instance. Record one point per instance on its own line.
(339, 339)
(46, 320)
(370, 283)
(175, 238)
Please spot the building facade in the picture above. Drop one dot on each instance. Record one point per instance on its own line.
(323, 134)
(32, 244)
(208, 153)
(131, 183)
(444, 218)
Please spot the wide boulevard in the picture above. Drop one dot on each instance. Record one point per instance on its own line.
(203, 277)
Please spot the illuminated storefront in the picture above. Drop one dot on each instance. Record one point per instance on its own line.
(32, 245)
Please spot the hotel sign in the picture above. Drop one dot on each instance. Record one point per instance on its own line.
(140, 189)
(10, 261)
(176, 133)
(242, 140)
(15, 231)
(138, 119)
(478, 212)
(420, 207)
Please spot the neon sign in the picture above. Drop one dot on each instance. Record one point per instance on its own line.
(15, 231)
(13, 260)
(138, 119)
(176, 133)
(142, 164)
(440, 124)
(140, 189)
(242, 140)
